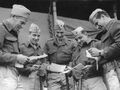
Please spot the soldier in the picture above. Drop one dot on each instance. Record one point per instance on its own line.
(110, 46)
(90, 75)
(32, 48)
(9, 51)
(59, 50)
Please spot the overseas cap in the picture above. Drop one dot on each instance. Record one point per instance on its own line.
(20, 10)
(94, 13)
(34, 28)
(77, 31)
(60, 23)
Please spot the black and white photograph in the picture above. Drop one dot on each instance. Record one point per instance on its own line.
(59, 45)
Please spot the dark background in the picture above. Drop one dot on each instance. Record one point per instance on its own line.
(79, 9)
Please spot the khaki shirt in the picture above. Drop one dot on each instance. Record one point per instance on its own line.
(29, 49)
(8, 43)
(59, 53)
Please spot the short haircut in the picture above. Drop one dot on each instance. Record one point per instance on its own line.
(98, 15)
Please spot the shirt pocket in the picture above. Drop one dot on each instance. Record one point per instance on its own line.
(11, 44)
(52, 51)
(67, 52)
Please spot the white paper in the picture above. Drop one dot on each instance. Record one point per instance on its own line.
(56, 67)
(37, 57)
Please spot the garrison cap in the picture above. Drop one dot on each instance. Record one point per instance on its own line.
(59, 25)
(20, 10)
(94, 13)
(77, 31)
(34, 28)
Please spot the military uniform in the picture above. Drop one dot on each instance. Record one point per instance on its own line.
(29, 75)
(60, 54)
(29, 78)
(110, 46)
(8, 48)
(107, 59)
(91, 79)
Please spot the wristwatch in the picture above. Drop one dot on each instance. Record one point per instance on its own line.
(100, 54)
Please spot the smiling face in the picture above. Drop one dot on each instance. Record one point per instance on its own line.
(34, 37)
(100, 22)
(59, 34)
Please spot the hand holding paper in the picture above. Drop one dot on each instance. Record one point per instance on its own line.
(90, 56)
(67, 70)
(95, 58)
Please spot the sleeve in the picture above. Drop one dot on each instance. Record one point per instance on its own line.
(21, 48)
(46, 48)
(5, 57)
(97, 44)
(73, 47)
(113, 51)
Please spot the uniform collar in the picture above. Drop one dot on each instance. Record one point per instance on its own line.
(111, 22)
(8, 25)
(29, 44)
(64, 42)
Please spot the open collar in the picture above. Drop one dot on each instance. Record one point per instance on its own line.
(8, 25)
(64, 42)
(29, 44)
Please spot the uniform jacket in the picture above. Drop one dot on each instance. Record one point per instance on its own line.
(59, 54)
(79, 56)
(110, 42)
(8, 44)
(28, 49)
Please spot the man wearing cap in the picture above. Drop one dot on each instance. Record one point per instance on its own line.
(59, 50)
(9, 51)
(85, 69)
(110, 46)
(32, 48)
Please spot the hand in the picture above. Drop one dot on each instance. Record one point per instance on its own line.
(21, 58)
(33, 67)
(67, 69)
(36, 67)
(95, 52)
